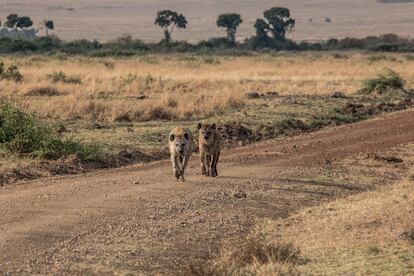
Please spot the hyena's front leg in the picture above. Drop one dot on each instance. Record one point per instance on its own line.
(207, 164)
(183, 166)
(175, 167)
(214, 164)
(203, 163)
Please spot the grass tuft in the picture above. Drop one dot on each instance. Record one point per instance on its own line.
(252, 252)
(60, 76)
(10, 73)
(389, 80)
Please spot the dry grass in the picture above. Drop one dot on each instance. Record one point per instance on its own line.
(181, 87)
(366, 234)
(252, 253)
(370, 233)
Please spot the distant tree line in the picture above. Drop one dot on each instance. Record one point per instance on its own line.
(270, 35)
(14, 21)
(274, 27)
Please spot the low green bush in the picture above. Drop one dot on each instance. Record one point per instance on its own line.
(383, 83)
(22, 133)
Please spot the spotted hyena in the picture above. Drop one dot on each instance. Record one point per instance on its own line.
(180, 143)
(209, 141)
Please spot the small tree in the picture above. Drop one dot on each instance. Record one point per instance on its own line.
(262, 30)
(11, 20)
(230, 22)
(24, 22)
(49, 25)
(15, 21)
(168, 20)
(279, 22)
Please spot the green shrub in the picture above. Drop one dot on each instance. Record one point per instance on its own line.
(10, 73)
(24, 134)
(383, 82)
(62, 77)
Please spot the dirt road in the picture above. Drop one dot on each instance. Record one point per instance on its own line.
(138, 220)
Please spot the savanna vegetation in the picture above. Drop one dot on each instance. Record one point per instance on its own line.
(83, 104)
(127, 105)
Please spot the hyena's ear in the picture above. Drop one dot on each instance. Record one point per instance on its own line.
(199, 126)
(187, 136)
(172, 137)
(213, 126)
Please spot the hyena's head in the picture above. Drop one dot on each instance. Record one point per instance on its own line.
(181, 142)
(206, 132)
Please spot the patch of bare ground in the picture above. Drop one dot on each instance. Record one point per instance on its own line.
(71, 165)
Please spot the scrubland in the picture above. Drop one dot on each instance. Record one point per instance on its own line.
(152, 87)
(129, 104)
(66, 112)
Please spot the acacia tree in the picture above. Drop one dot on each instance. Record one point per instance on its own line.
(15, 21)
(49, 25)
(262, 28)
(24, 22)
(11, 20)
(230, 22)
(168, 20)
(279, 22)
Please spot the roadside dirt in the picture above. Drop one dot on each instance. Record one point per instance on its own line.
(138, 220)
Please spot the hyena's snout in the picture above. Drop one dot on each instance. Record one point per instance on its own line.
(181, 148)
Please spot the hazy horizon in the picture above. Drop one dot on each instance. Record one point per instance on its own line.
(105, 20)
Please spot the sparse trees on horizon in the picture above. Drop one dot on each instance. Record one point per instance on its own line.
(168, 20)
(270, 29)
(49, 25)
(15, 21)
(277, 23)
(273, 28)
(280, 22)
(230, 22)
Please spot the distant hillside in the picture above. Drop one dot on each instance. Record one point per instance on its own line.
(107, 19)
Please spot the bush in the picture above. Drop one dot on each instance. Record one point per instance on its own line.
(383, 82)
(10, 73)
(24, 134)
(62, 77)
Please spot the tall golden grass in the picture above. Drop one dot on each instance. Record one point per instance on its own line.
(184, 86)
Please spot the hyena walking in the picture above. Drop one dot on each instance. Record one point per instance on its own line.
(181, 147)
(210, 146)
